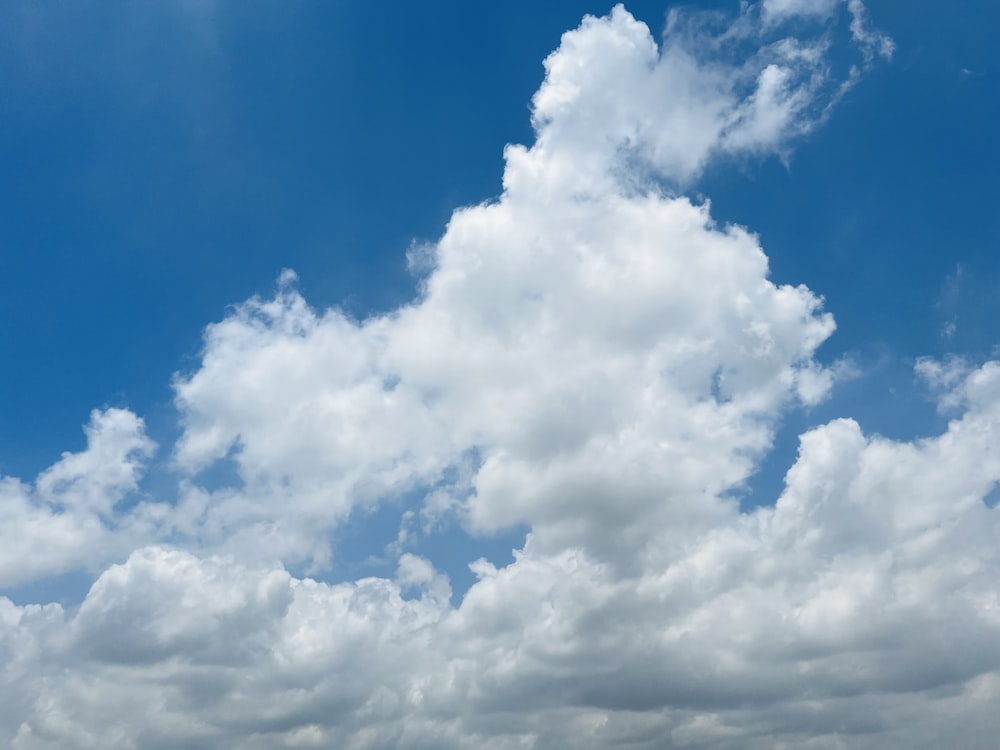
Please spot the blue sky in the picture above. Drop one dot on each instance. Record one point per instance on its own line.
(161, 166)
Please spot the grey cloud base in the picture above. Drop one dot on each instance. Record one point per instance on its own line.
(590, 357)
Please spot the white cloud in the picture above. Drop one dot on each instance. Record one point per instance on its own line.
(611, 93)
(862, 605)
(66, 520)
(96, 479)
(778, 10)
(590, 357)
(872, 41)
(583, 324)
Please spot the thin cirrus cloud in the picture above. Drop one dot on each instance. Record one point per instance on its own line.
(592, 358)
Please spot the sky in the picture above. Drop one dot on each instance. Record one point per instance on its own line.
(574, 376)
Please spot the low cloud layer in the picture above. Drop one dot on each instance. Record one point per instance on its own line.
(591, 358)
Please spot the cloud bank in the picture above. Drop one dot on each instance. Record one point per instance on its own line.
(591, 358)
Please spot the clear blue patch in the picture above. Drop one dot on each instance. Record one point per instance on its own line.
(992, 498)
(220, 474)
(67, 589)
(452, 549)
(361, 545)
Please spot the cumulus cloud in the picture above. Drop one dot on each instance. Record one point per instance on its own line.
(591, 358)
(612, 95)
(67, 519)
(588, 341)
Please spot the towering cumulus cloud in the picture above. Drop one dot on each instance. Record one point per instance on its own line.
(593, 360)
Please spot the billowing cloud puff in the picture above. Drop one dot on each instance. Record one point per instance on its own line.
(585, 352)
(590, 358)
(67, 520)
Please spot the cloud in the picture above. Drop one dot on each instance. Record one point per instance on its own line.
(591, 357)
(871, 41)
(67, 519)
(864, 599)
(775, 11)
(612, 94)
(585, 323)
